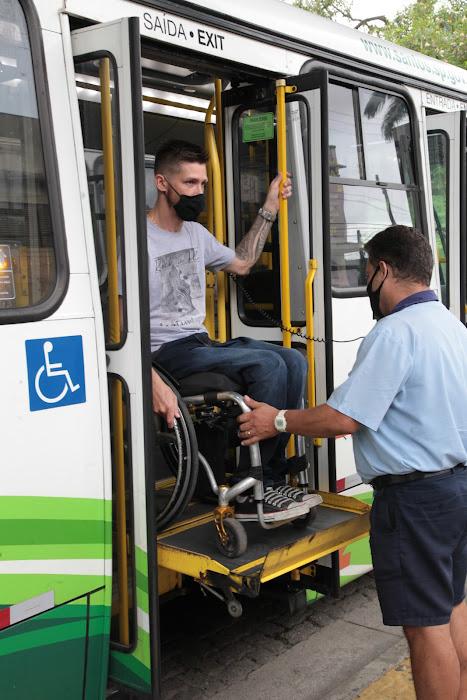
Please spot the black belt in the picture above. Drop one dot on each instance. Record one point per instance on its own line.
(390, 479)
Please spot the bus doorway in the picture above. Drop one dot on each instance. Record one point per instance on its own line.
(132, 97)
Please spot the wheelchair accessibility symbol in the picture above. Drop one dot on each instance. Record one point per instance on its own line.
(55, 372)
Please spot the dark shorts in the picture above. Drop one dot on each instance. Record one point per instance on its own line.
(419, 547)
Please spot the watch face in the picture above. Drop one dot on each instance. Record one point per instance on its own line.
(279, 422)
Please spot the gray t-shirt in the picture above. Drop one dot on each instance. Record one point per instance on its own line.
(177, 289)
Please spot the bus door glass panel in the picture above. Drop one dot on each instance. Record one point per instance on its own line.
(371, 187)
(27, 257)
(96, 84)
(371, 181)
(446, 141)
(256, 165)
(259, 302)
(438, 153)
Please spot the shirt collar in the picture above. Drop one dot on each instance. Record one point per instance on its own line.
(417, 298)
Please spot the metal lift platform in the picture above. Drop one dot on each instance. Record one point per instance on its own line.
(188, 546)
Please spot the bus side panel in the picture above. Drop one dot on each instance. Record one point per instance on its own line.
(55, 654)
(134, 669)
(55, 523)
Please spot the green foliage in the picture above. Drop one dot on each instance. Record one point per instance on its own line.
(437, 29)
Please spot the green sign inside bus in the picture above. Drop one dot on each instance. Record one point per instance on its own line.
(258, 127)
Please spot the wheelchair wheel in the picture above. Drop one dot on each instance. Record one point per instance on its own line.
(304, 520)
(178, 450)
(236, 542)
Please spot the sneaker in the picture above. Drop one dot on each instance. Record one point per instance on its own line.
(276, 507)
(298, 495)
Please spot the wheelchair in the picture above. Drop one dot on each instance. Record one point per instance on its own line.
(214, 400)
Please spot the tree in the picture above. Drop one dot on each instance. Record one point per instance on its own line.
(437, 29)
(338, 10)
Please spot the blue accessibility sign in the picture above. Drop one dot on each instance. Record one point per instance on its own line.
(55, 372)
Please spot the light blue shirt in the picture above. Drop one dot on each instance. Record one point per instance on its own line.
(408, 389)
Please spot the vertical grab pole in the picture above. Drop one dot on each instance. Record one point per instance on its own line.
(220, 143)
(310, 348)
(281, 89)
(209, 321)
(310, 331)
(115, 334)
(218, 217)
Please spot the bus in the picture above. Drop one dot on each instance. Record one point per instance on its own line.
(98, 523)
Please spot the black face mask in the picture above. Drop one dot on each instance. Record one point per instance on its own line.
(188, 208)
(374, 295)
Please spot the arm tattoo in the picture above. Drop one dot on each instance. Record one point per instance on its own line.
(252, 244)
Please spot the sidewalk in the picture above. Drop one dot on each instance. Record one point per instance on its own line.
(332, 650)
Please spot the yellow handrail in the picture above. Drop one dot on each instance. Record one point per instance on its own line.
(220, 142)
(310, 331)
(215, 167)
(310, 347)
(115, 334)
(281, 90)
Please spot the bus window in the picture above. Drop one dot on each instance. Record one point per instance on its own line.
(259, 297)
(28, 268)
(256, 168)
(438, 145)
(97, 93)
(371, 181)
(344, 146)
(387, 142)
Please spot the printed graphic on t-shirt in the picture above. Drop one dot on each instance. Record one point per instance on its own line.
(181, 291)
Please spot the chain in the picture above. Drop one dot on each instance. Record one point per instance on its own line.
(278, 324)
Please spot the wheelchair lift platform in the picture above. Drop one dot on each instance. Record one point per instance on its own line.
(188, 546)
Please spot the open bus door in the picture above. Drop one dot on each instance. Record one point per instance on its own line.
(107, 72)
(291, 290)
(446, 134)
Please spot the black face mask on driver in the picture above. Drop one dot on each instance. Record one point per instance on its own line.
(374, 295)
(188, 208)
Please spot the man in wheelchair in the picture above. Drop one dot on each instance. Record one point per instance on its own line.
(180, 249)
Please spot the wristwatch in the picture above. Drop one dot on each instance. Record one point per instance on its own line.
(266, 214)
(280, 423)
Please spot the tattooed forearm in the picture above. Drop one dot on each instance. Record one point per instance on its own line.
(251, 246)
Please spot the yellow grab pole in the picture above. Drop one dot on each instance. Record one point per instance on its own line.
(220, 142)
(310, 348)
(209, 321)
(214, 163)
(310, 331)
(115, 333)
(281, 89)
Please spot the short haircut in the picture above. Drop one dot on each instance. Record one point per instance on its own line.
(406, 250)
(172, 153)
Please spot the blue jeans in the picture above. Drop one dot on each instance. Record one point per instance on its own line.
(269, 373)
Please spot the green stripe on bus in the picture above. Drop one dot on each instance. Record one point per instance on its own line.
(44, 552)
(54, 508)
(62, 615)
(28, 531)
(38, 638)
(130, 671)
(16, 588)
